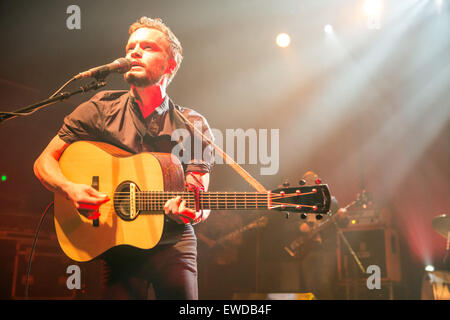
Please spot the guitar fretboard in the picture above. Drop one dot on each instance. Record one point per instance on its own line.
(155, 200)
(150, 201)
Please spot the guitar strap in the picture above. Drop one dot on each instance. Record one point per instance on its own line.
(228, 160)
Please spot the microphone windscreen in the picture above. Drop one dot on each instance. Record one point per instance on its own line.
(124, 65)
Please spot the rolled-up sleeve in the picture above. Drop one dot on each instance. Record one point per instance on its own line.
(84, 123)
(205, 161)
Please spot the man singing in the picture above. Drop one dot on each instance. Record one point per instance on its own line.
(139, 120)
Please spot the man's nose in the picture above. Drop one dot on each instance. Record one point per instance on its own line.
(135, 53)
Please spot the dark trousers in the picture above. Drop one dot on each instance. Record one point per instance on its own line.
(170, 268)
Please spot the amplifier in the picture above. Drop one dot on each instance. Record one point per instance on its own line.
(47, 277)
(369, 217)
(373, 246)
(48, 270)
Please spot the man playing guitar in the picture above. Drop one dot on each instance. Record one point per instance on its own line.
(138, 120)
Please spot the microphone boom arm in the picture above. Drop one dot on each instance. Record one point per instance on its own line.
(52, 100)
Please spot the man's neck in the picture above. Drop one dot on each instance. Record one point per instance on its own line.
(149, 98)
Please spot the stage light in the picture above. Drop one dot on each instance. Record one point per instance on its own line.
(4, 178)
(283, 40)
(373, 7)
(328, 29)
(373, 11)
(439, 5)
(429, 268)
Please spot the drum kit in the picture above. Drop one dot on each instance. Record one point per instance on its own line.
(436, 285)
(441, 224)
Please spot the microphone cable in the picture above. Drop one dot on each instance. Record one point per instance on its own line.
(34, 246)
(63, 86)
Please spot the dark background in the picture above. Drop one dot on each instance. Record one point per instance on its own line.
(365, 109)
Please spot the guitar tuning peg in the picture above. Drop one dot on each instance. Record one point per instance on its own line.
(302, 182)
(286, 183)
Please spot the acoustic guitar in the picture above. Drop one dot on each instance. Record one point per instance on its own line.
(139, 185)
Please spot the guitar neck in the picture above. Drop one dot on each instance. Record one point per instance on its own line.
(155, 200)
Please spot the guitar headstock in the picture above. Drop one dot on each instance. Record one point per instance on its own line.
(315, 199)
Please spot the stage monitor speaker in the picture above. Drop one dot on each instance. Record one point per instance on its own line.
(48, 275)
(373, 246)
(7, 253)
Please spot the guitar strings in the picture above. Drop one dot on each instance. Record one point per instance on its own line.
(151, 201)
(148, 200)
(220, 193)
(110, 209)
(253, 205)
(204, 200)
(227, 196)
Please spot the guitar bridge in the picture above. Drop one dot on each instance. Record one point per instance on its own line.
(132, 200)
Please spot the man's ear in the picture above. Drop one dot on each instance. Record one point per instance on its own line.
(171, 66)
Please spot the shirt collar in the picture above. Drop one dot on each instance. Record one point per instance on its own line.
(163, 107)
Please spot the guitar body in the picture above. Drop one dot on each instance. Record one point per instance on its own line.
(86, 162)
(138, 187)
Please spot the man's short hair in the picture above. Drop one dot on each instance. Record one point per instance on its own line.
(176, 51)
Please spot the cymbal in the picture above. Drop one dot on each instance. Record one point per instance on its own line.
(441, 224)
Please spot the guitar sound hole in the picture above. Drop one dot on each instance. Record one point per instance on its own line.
(122, 201)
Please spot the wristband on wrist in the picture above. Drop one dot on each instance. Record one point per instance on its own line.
(196, 190)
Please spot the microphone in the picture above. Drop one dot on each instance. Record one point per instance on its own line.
(120, 65)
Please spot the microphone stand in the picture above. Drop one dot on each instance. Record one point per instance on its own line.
(52, 100)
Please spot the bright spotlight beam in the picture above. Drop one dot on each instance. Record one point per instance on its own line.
(373, 11)
(429, 268)
(373, 7)
(328, 29)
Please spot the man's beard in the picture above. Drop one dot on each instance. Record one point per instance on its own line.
(139, 81)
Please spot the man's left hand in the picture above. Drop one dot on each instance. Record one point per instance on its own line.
(176, 210)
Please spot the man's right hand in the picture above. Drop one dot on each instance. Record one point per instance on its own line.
(84, 196)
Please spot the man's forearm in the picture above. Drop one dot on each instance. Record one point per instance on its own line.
(47, 170)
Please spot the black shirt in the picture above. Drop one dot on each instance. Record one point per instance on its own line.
(114, 117)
